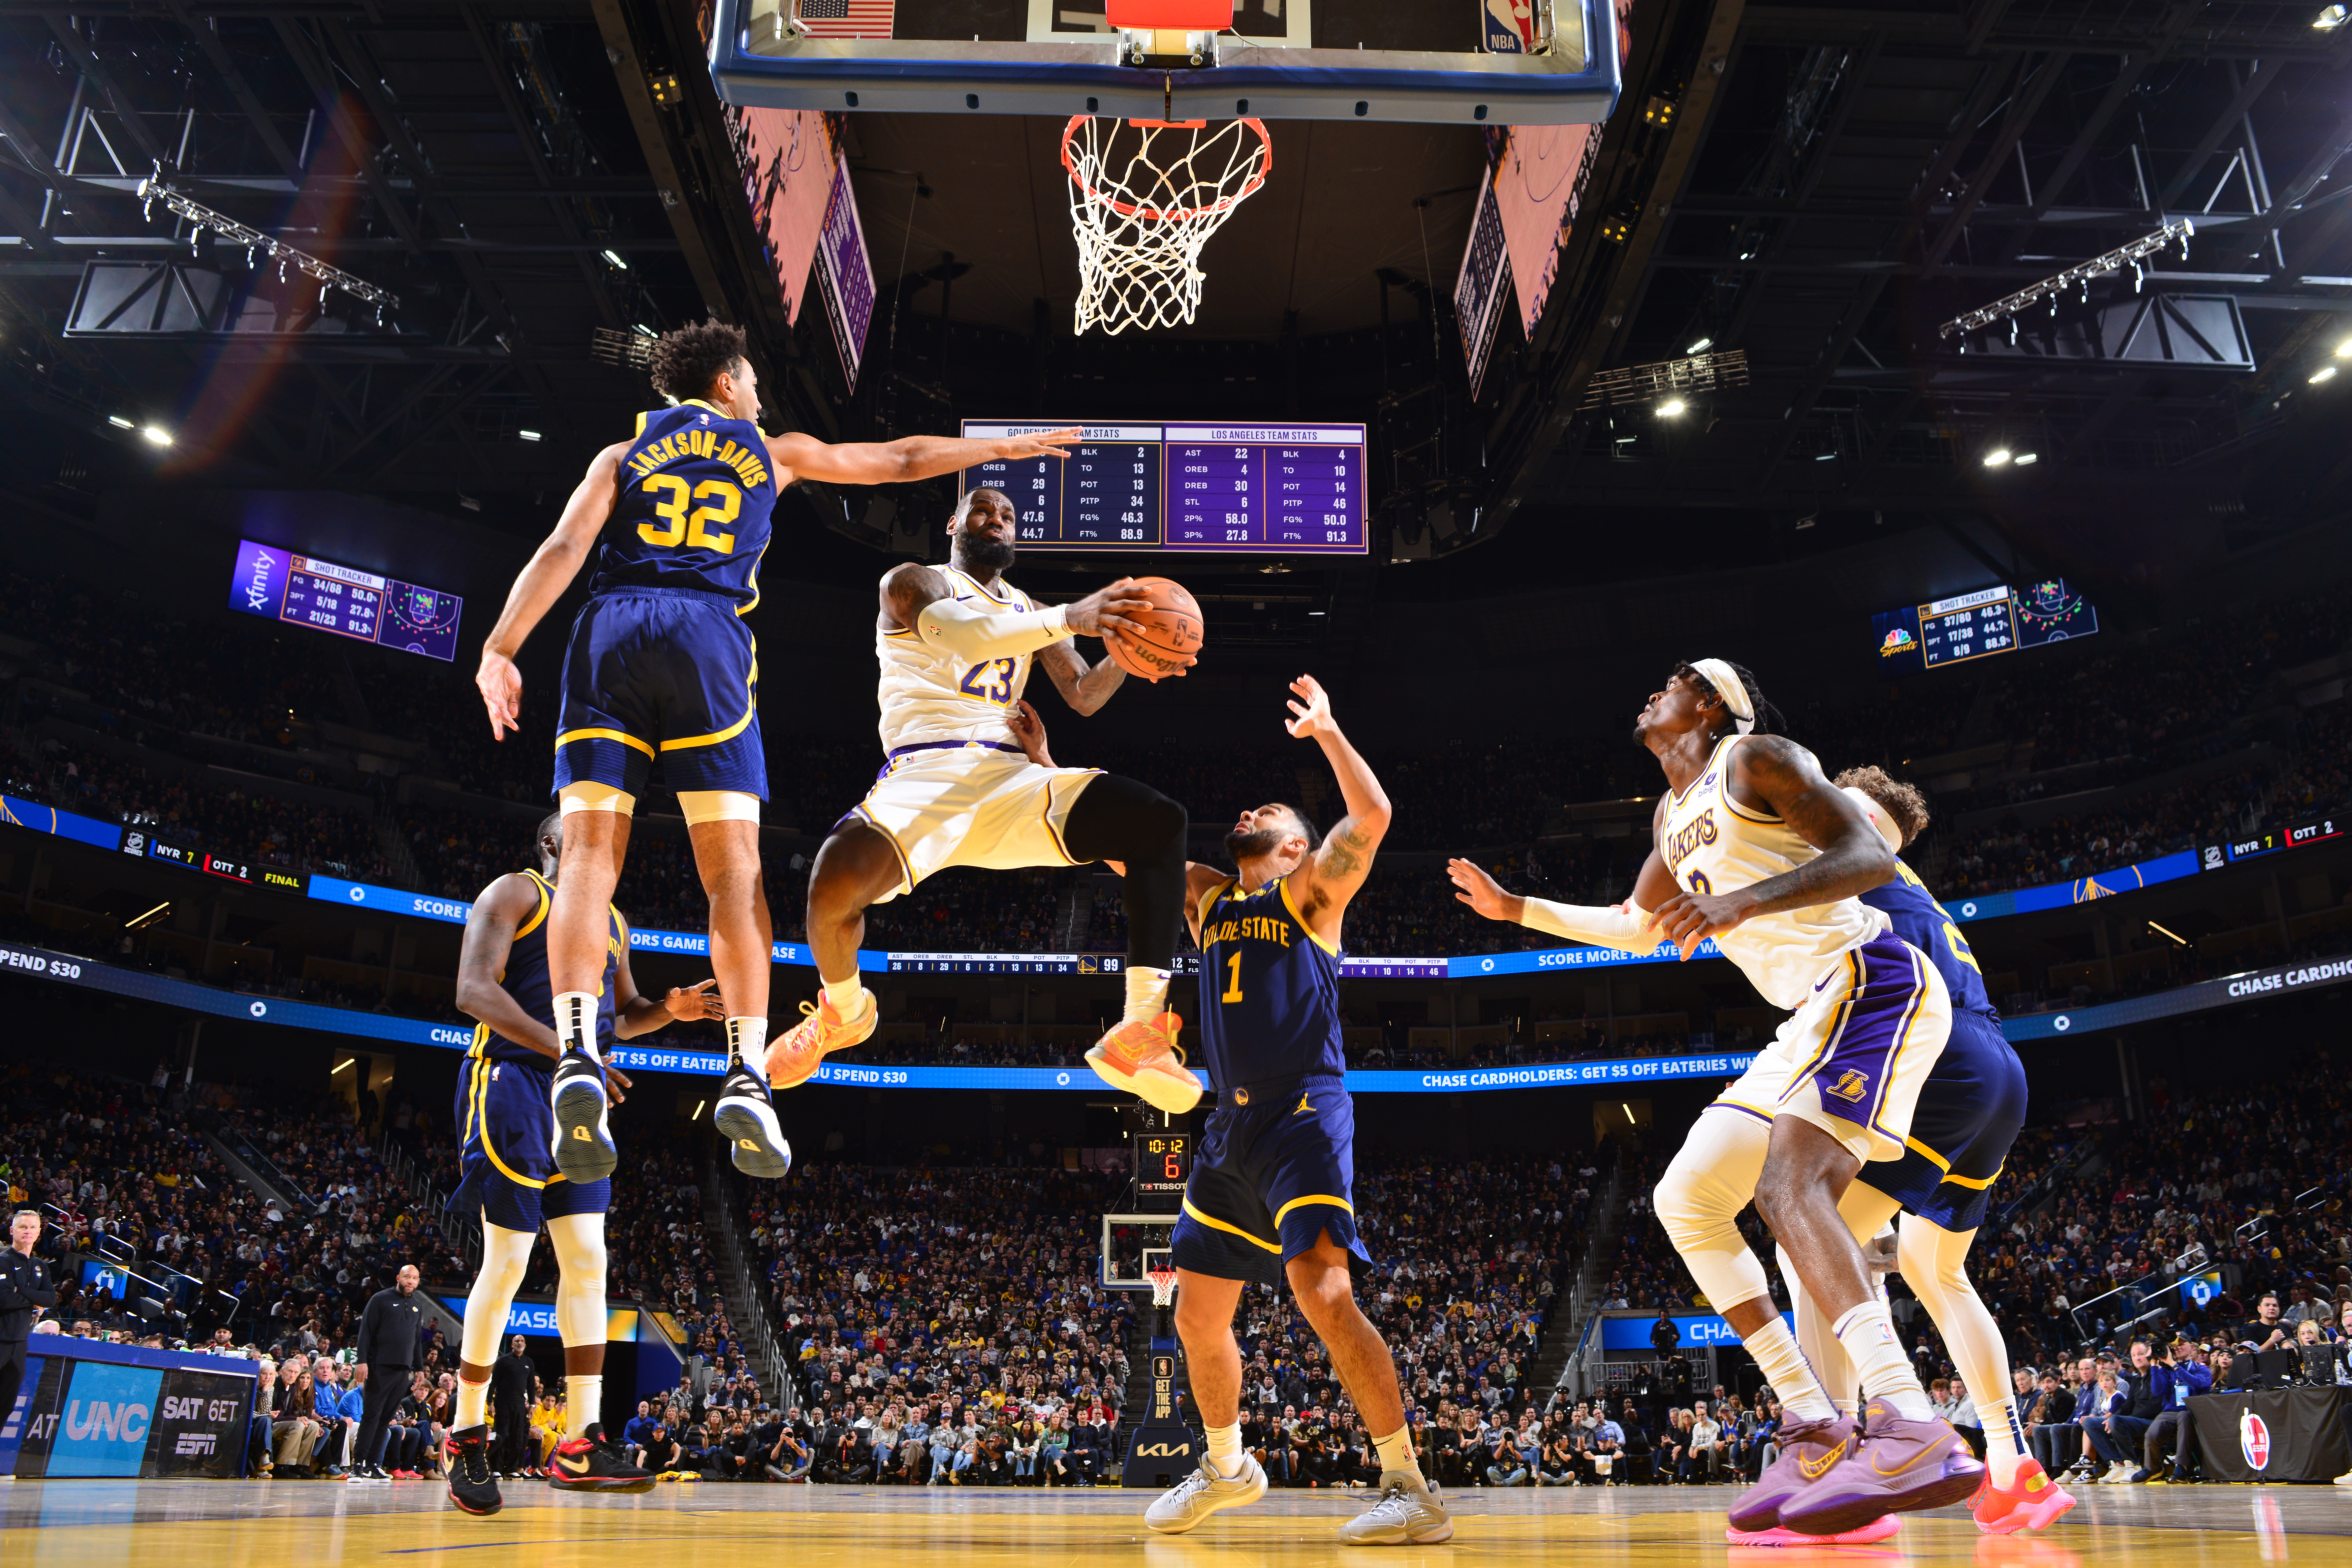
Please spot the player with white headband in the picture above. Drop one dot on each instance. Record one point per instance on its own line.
(1755, 848)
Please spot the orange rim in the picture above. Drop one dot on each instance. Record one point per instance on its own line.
(1170, 214)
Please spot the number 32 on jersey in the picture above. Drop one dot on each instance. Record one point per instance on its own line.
(697, 529)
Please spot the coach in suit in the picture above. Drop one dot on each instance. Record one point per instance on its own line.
(389, 1331)
(510, 1379)
(24, 1289)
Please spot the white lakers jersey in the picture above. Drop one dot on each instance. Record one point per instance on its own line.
(1712, 843)
(929, 697)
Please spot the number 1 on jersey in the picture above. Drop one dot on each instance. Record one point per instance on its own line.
(1234, 988)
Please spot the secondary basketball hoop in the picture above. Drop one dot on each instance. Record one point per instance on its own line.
(1163, 1286)
(1142, 207)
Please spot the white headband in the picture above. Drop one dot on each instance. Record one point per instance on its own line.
(1878, 818)
(1728, 686)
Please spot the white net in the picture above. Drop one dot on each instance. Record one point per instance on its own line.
(1145, 196)
(1163, 1286)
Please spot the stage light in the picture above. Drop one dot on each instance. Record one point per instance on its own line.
(1996, 457)
(614, 258)
(528, 435)
(2344, 348)
(120, 423)
(2324, 373)
(1700, 346)
(644, 331)
(2329, 18)
(1671, 407)
(157, 433)
(2023, 458)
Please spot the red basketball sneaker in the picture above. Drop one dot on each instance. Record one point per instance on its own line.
(2031, 1502)
(822, 1030)
(1142, 1059)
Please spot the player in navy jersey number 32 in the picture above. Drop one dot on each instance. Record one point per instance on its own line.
(662, 667)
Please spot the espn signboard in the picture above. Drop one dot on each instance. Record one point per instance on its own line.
(91, 1409)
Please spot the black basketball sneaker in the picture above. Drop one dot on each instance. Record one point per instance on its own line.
(746, 1116)
(584, 1150)
(472, 1486)
(589, 1464)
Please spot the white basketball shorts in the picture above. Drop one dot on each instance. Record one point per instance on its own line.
(970, 805)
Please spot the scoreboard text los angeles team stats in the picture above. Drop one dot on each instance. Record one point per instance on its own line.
(1243, 489)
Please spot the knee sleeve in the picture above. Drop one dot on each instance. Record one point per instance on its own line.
(1933, 1262)
(504, 1254)
(585, 794)
(1117, 818)
(701, 806)
(579, 1241)
(1698, 1201)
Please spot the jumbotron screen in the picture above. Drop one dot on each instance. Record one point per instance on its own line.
(1261, 490)
(1978, 624)
(304, 591)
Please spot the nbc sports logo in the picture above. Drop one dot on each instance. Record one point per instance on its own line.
(1898, 641)
(2255, 1440)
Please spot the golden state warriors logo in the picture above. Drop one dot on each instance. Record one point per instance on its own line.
(1852, 1086)
(1898, 641)
(1241, 1097)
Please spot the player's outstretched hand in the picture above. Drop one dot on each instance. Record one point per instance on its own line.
(1048, 444)
(1483, 893)
(1314, 710)
(1030, 731)
(696, 1000)
(501, 684)
(1688, 919)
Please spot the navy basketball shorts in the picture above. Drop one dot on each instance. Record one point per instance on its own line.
(670, 673)
(1274, 1169)
(1968, 1115)
(1853, 1059)
(506, 1160)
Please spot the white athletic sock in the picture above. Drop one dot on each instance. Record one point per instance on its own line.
(1147, 994)
(575, 1022)
(844, 995)
(1225, 1449)
(2004, 1441)
(1867, 1332)
(1396, 1453)
(1785, 1368)
(747, 1042)
(473, 1404)
(583, 1403)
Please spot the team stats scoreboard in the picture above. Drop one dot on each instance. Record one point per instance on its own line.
(304, 591)
(1230, 489)
(1978, 624)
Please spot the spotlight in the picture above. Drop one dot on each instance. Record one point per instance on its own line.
(120, 423)
(2023, 458)
(614, 258)
(643, 331)
(157, 433)
(2324, 373)
(1825, 456)
(1703, 344)
(2329, 18)
(2344, 348)
(1671, 407)
(528, 435)
(1996, 457)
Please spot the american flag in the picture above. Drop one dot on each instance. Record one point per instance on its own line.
(847, 18)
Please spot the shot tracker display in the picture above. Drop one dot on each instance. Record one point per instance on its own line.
(302, 590)
(1231, 488)
(1980, 625)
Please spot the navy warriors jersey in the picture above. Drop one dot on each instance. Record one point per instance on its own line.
(1269, 990)
(1923, 923)
(525, 978)
(696, 492)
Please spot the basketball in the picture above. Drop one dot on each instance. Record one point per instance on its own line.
(1172, 625)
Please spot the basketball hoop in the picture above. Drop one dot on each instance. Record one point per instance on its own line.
(1141, 212)
(1163, 1286)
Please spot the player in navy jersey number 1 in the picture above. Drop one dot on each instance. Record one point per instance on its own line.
(1271, 1195)
(662, 667)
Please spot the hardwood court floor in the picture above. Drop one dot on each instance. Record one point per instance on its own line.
(321, 1524)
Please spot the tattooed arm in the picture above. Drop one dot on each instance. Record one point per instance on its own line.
(1329, 877)
(1773, 774)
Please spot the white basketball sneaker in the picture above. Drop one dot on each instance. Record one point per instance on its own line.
(1410, 1513)
(1202, 1493)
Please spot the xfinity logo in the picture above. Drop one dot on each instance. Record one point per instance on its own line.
(257, 590)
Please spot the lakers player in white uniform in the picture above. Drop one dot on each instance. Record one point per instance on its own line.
(956, 645)
(1754, 847)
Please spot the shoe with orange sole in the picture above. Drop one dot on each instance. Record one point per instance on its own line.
(793, 1060)
(1143, 1059)
(2031, 1502)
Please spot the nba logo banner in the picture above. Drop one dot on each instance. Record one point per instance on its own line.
(1510, 26)
(2255, 1440)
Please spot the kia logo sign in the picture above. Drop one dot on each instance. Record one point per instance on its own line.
(2255, 1440)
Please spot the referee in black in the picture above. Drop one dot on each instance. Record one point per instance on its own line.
(24, 1289)
(387, 1349)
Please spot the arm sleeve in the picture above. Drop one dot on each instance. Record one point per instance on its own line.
(954, 626)
(1627, 928)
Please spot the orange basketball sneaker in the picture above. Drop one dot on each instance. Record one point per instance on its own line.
(1143, 1059)
(2033, 1501)
(822, 1030)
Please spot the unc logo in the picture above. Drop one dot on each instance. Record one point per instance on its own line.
(1852, 1086)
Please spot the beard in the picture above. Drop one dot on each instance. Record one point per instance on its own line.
(984, 556)
(1257, 841)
